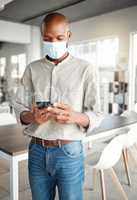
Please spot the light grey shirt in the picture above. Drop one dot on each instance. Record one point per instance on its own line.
(72, 82)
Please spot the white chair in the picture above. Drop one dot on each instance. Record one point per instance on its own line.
(124, 151)
(109, 157)
(131, 142)
(7, 119)
(132, 139)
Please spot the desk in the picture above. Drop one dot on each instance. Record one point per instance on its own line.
(13, 148)
(14, 145)
(111, 125)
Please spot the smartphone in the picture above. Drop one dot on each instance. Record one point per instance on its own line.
(43, 104)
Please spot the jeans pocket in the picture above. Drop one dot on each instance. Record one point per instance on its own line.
(73, 149)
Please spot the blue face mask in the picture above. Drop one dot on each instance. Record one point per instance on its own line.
(55, 50)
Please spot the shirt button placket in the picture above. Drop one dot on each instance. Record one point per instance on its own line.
(53, 86)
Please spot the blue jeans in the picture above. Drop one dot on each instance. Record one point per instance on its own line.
(61, 167)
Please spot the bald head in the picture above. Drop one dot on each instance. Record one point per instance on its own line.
(55, 18)
(55, 26)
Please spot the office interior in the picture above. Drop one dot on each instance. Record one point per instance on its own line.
(104, 33)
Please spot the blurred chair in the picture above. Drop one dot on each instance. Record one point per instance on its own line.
(130, 143)
(4, 107)
(7, 119)
(124, 151)
(108, 159)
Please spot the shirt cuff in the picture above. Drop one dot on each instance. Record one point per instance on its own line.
(30, 128)
(95, 119)
(18, 109)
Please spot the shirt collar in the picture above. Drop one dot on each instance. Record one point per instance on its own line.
(62, 62)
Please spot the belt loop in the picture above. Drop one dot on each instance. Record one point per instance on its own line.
(43, 144)
(59, 143)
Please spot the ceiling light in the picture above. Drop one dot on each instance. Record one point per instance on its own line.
(3, 3)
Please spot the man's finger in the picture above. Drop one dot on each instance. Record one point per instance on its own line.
(44, 113)
(33, 108)
(62, 117)
(58, 111)
(61, 105)
(61, 121)
(45, 116)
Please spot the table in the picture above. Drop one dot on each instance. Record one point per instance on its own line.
(14, 145)
(111, 125)
(13, 148)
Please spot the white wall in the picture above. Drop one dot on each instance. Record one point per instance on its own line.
(15, 32)
(34, 48)
(22, 34)
(9, 49)
(119, 23)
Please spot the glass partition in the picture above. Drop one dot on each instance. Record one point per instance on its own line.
(103, 56)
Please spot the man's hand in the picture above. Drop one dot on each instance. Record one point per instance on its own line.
(63, 114)
(26, 117)
(41, 115)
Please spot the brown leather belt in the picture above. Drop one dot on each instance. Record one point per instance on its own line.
(50, 143)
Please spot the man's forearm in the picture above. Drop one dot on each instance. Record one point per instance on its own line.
(26, 117)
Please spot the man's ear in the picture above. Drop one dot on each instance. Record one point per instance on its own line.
(69, 34)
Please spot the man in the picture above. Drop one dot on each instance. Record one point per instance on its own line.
(55, 150)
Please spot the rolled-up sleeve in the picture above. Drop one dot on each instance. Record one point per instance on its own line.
(90, 105)
(24, 95)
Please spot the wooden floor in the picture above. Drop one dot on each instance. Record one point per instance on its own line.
(112, 192)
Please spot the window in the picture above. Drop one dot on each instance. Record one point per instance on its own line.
(103, 55)
(18, 65)
(2, 66)
(107, 52)
(133, 72)
(84, 50)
